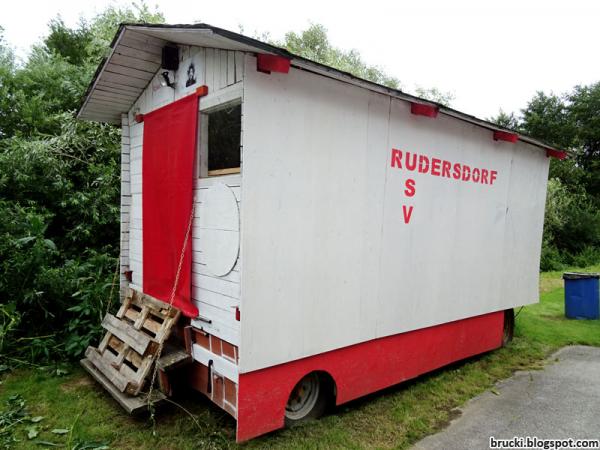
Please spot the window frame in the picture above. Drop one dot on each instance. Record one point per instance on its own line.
(208, 105)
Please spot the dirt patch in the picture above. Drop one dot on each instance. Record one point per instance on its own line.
(452, 414)
(76, 383)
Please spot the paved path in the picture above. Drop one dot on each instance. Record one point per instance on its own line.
(560, 401)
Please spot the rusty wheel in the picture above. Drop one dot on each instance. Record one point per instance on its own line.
(308, 400)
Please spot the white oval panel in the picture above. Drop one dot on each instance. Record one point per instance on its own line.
(220, 229)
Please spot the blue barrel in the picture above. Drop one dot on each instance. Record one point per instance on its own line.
(582, 297)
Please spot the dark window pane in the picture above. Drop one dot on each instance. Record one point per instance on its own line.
(224, 130)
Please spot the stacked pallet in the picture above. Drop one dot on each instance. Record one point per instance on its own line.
(123, 361)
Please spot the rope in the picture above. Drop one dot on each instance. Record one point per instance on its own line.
(519, 312)
(171, 300)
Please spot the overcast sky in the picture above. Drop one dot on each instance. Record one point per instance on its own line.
(489, 54)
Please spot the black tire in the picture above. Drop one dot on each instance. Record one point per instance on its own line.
(299, 409)
(509, 327)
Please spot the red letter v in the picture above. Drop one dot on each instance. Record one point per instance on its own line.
(407, 213)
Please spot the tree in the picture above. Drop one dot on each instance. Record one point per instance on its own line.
(435, 95)
(584, 112)
(104, 26)
(570, 121)
(547, 117)
(7, 69)
(59, 191)
(505, 120)
(71, 44)
(313, 43)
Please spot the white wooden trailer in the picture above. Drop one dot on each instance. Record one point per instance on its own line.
(354, 237)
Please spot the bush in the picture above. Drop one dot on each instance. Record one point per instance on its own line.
(551, 258)
(588, 256)
(59, 193)
(51, 307)
(59, 239)
(571, 228)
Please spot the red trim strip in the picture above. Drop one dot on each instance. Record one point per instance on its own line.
(363, 368)
(272, 63)
(420, 109)
(558, 154)
(506, 136)
(202, 91)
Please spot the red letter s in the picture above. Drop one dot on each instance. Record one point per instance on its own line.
(410, 187)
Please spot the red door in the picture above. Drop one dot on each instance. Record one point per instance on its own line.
(167, 194)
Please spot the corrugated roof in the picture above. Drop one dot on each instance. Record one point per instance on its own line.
(135, 58)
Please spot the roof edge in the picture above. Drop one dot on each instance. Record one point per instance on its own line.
(100, 69)
(307, 64)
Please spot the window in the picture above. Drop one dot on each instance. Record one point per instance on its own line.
(220, 140)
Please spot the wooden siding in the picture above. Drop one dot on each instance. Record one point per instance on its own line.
(135, 226)
(222, 72)
(215, 296)
(214, 68)
(134, 65)
(125, 203)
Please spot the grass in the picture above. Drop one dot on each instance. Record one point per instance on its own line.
(394, 418)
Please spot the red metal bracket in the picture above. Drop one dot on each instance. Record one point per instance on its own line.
(558, 154)
(272, 63)
(202, 91)
(139, 118)
(421, 109)
(506, 136)
(237, 313)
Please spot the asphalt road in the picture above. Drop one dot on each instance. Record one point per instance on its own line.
(561, 401)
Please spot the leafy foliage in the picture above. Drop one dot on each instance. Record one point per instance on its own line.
(570, 121)
(59, 194)
(313, 43)
(14, 413)
(435, 95)
(18, 425)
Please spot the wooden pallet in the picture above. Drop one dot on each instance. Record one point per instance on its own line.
(129, 349)
(131, 404)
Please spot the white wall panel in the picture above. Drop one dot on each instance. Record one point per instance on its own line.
(215, 296)
(328, 260)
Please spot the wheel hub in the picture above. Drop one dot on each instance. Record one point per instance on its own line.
(303, 398)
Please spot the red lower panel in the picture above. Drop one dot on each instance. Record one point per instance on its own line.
(363, 368)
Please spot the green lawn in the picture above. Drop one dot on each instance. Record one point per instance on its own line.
(394, 418)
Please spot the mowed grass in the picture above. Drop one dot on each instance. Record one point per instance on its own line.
(394, 418)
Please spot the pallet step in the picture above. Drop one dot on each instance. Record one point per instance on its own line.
(131, 404)
(129, 349)
(110, 373)
(136, 339)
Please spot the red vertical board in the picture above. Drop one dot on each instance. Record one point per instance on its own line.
(167, 194)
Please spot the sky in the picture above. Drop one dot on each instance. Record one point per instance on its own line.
(490, 55)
